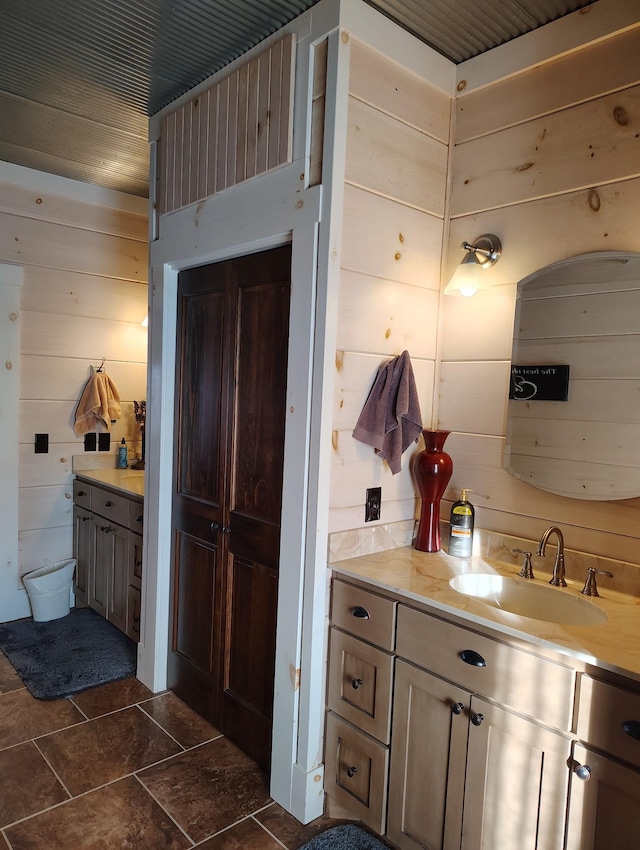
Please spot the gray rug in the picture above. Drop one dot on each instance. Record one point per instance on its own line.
(63, 657)
(345, 837)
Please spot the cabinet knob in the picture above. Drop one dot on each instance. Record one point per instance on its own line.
(355, 684)
(215, 526)
(582, 771)
(138, 563)
(351, 771)
(470, 656)
(139, 519)
(85, 518)
(477, 719)
(108, 504)
(360, 612)
(107, 529)
(81, 493)
(136, 619)
(457, 707)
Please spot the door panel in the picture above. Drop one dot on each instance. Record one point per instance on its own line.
(232, 345)
(200, 382)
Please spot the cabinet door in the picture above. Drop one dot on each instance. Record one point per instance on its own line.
(515, 792)
(429, 741)
(133, 613)
(604, 806)
(135, 559)
(119, 577)
(100, 566)
(83, 540)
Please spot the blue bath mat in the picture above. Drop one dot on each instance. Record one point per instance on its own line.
(63, 657)
(345, 837)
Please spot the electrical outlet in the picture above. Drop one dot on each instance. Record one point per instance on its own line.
(90, 441)
(104, 442)
(372, 504)
(41, 445)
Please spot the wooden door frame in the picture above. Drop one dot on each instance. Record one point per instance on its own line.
(297, 771)
(13, 597)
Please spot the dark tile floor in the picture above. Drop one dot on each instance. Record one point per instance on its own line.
(117, 768)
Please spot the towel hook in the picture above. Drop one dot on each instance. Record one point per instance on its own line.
(101, 366)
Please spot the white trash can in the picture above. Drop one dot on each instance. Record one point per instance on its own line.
(49, 590)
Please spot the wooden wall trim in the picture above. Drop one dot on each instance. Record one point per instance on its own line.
(241, 127)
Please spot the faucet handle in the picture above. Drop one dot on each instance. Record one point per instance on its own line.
(526, 570)
(590, 586)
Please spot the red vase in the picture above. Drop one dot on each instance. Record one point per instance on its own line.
(432, 469)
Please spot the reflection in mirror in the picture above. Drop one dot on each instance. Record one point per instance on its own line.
(583, 313)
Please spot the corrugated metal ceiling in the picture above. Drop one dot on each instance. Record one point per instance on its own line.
(79, 78)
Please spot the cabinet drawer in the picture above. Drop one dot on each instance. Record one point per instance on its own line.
(530, 685)
(81, 494)
(609, 719)
(136, 510)
(364, 614)
(356, 772)
(110, 505)
(360, 683)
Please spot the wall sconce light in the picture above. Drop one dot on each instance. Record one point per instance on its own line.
(469, 277)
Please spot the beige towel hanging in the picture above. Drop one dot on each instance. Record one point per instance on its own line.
(390, 420)
(98, 405)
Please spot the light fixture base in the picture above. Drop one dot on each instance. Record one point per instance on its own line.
(487, 249)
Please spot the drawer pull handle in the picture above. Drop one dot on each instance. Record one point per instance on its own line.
(351, 771)
(360, 612)
(108, 504)
(106, 529)
(582, 771)
(85, 518)
(632, 729)
(470, 656)
(477, 719)
(356, 684)
(215, 526)
(457, 708)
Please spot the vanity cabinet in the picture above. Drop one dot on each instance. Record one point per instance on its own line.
(108, 552)
(473, 765)
(604, 793)
(359, 699)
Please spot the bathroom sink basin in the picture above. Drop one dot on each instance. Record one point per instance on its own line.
(527, 599)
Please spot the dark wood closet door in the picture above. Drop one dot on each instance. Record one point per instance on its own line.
(233, 320)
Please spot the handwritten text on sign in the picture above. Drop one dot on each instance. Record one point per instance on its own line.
(539, 383)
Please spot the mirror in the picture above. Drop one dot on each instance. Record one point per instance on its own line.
(582, 313)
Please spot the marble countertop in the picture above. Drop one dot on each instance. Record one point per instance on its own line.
(127, 481)
(424, 578)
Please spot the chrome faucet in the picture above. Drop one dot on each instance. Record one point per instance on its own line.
(557, 579)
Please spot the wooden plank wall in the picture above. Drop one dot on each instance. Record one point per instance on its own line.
(549, 161)
(394, 201)
(239, 128)
(83, 298)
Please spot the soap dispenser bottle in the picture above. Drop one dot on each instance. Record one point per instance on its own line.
(461, 526)
(122, 454)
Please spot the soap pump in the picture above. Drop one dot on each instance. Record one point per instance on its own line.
(122, 454)
(461, 526)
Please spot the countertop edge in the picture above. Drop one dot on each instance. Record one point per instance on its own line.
(488, 620)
